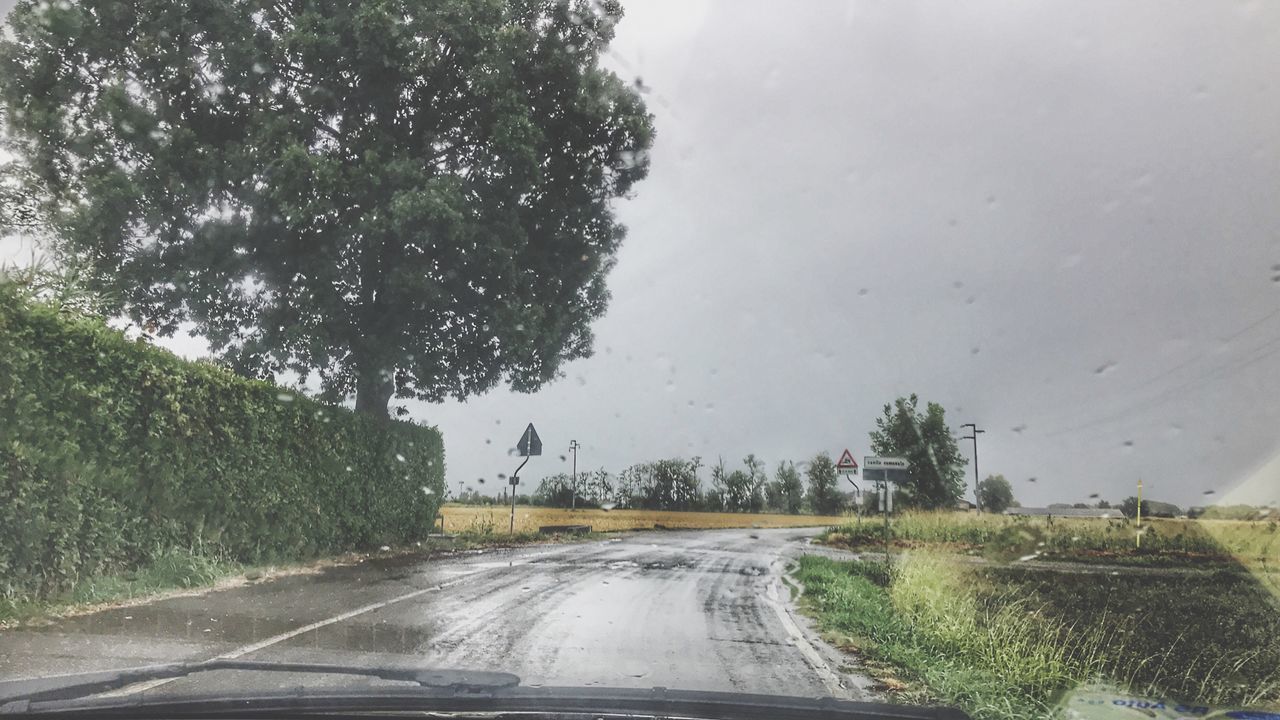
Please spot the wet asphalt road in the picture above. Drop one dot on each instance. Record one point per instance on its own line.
(700, 610)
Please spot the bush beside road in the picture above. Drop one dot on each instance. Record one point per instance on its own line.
(117, 456)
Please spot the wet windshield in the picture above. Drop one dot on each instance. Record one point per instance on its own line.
(890, 352)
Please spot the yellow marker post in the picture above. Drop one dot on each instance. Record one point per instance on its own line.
(1138, 537)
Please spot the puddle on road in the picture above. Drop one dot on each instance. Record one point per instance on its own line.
(264, 609)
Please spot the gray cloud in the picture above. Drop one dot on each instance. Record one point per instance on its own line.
(1058, 220)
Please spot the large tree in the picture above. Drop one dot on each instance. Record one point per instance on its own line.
(824, 493)
(412, 199)
(936, 475)
(786, 492)
(995, 494)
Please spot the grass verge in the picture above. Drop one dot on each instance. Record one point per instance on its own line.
(176, 569)
(1004, 644)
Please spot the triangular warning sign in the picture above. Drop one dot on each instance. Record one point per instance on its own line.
(846, 461)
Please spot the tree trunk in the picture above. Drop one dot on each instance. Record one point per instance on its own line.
(373, 392)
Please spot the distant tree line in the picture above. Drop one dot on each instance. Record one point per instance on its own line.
(935, 479)
(811, 486)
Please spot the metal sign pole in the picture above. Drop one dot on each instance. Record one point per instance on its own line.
(887, 504)
(884, 465)
(857, 498)
(530, 444)
(515, 480)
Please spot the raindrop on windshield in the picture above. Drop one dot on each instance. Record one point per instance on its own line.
(284, 397)
(400, 457)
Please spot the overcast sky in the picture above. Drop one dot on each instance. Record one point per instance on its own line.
(1058, 220)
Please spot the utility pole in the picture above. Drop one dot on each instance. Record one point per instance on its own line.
(1137, 538)
(573, 502)
(974, 437)
(460, 490)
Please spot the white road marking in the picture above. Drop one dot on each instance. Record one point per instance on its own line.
(276, 639)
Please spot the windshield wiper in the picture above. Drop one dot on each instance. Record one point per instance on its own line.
(458, 692)
(66, 687)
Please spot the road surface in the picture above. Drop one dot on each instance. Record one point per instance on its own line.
(697, 610)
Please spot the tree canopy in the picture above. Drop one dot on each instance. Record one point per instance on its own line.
(936, 476)
(409, 199)
(670, 484)
(995, 494)
(824, 495)
(786, 492)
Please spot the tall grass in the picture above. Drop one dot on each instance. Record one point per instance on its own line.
(999, 649)
(171, 569)
(1005, 634)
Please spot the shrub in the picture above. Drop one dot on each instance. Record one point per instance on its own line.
(114, 453)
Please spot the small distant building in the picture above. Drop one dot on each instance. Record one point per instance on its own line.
(1067, 511)
(965, 506)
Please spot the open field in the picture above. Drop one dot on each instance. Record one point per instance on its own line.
(1252, 544)
(1008, 641)
(476, 519)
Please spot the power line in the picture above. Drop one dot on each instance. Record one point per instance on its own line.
(1083, 411)
(1169, 394)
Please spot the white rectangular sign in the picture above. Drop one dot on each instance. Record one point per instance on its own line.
(885, 463)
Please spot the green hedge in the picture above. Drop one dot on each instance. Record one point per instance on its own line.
(113, 452)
